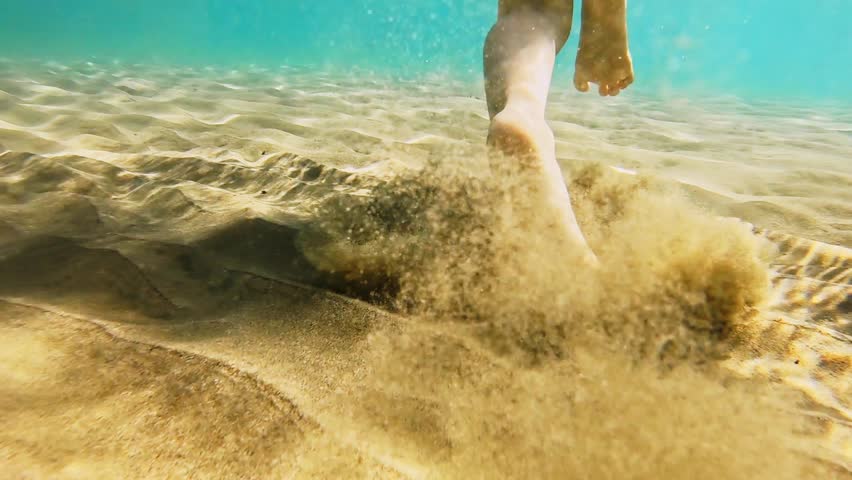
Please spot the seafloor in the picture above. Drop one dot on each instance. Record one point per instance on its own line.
(181, 251)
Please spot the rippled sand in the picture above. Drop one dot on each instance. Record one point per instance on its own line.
(169, 308)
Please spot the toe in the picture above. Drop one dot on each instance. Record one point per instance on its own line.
(581, 83)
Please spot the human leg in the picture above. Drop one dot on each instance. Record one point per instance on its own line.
(519, 56)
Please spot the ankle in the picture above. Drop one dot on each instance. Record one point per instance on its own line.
(604, 18)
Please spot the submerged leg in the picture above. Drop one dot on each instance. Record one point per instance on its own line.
(604, 57)
(520, 52)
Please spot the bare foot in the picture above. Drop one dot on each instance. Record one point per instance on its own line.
(526, 154)
(603, 57)
(520, 136)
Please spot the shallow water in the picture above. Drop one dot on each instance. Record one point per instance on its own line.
(240, 240)
(757, 49)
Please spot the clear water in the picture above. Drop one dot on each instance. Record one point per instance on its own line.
(185, 183)
(768, 48)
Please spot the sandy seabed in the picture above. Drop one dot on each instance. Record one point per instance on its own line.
(298, 274)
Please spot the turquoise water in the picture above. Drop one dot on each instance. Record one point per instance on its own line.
(778, 49)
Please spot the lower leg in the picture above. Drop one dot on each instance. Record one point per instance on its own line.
(519, 57)
(520, 52)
